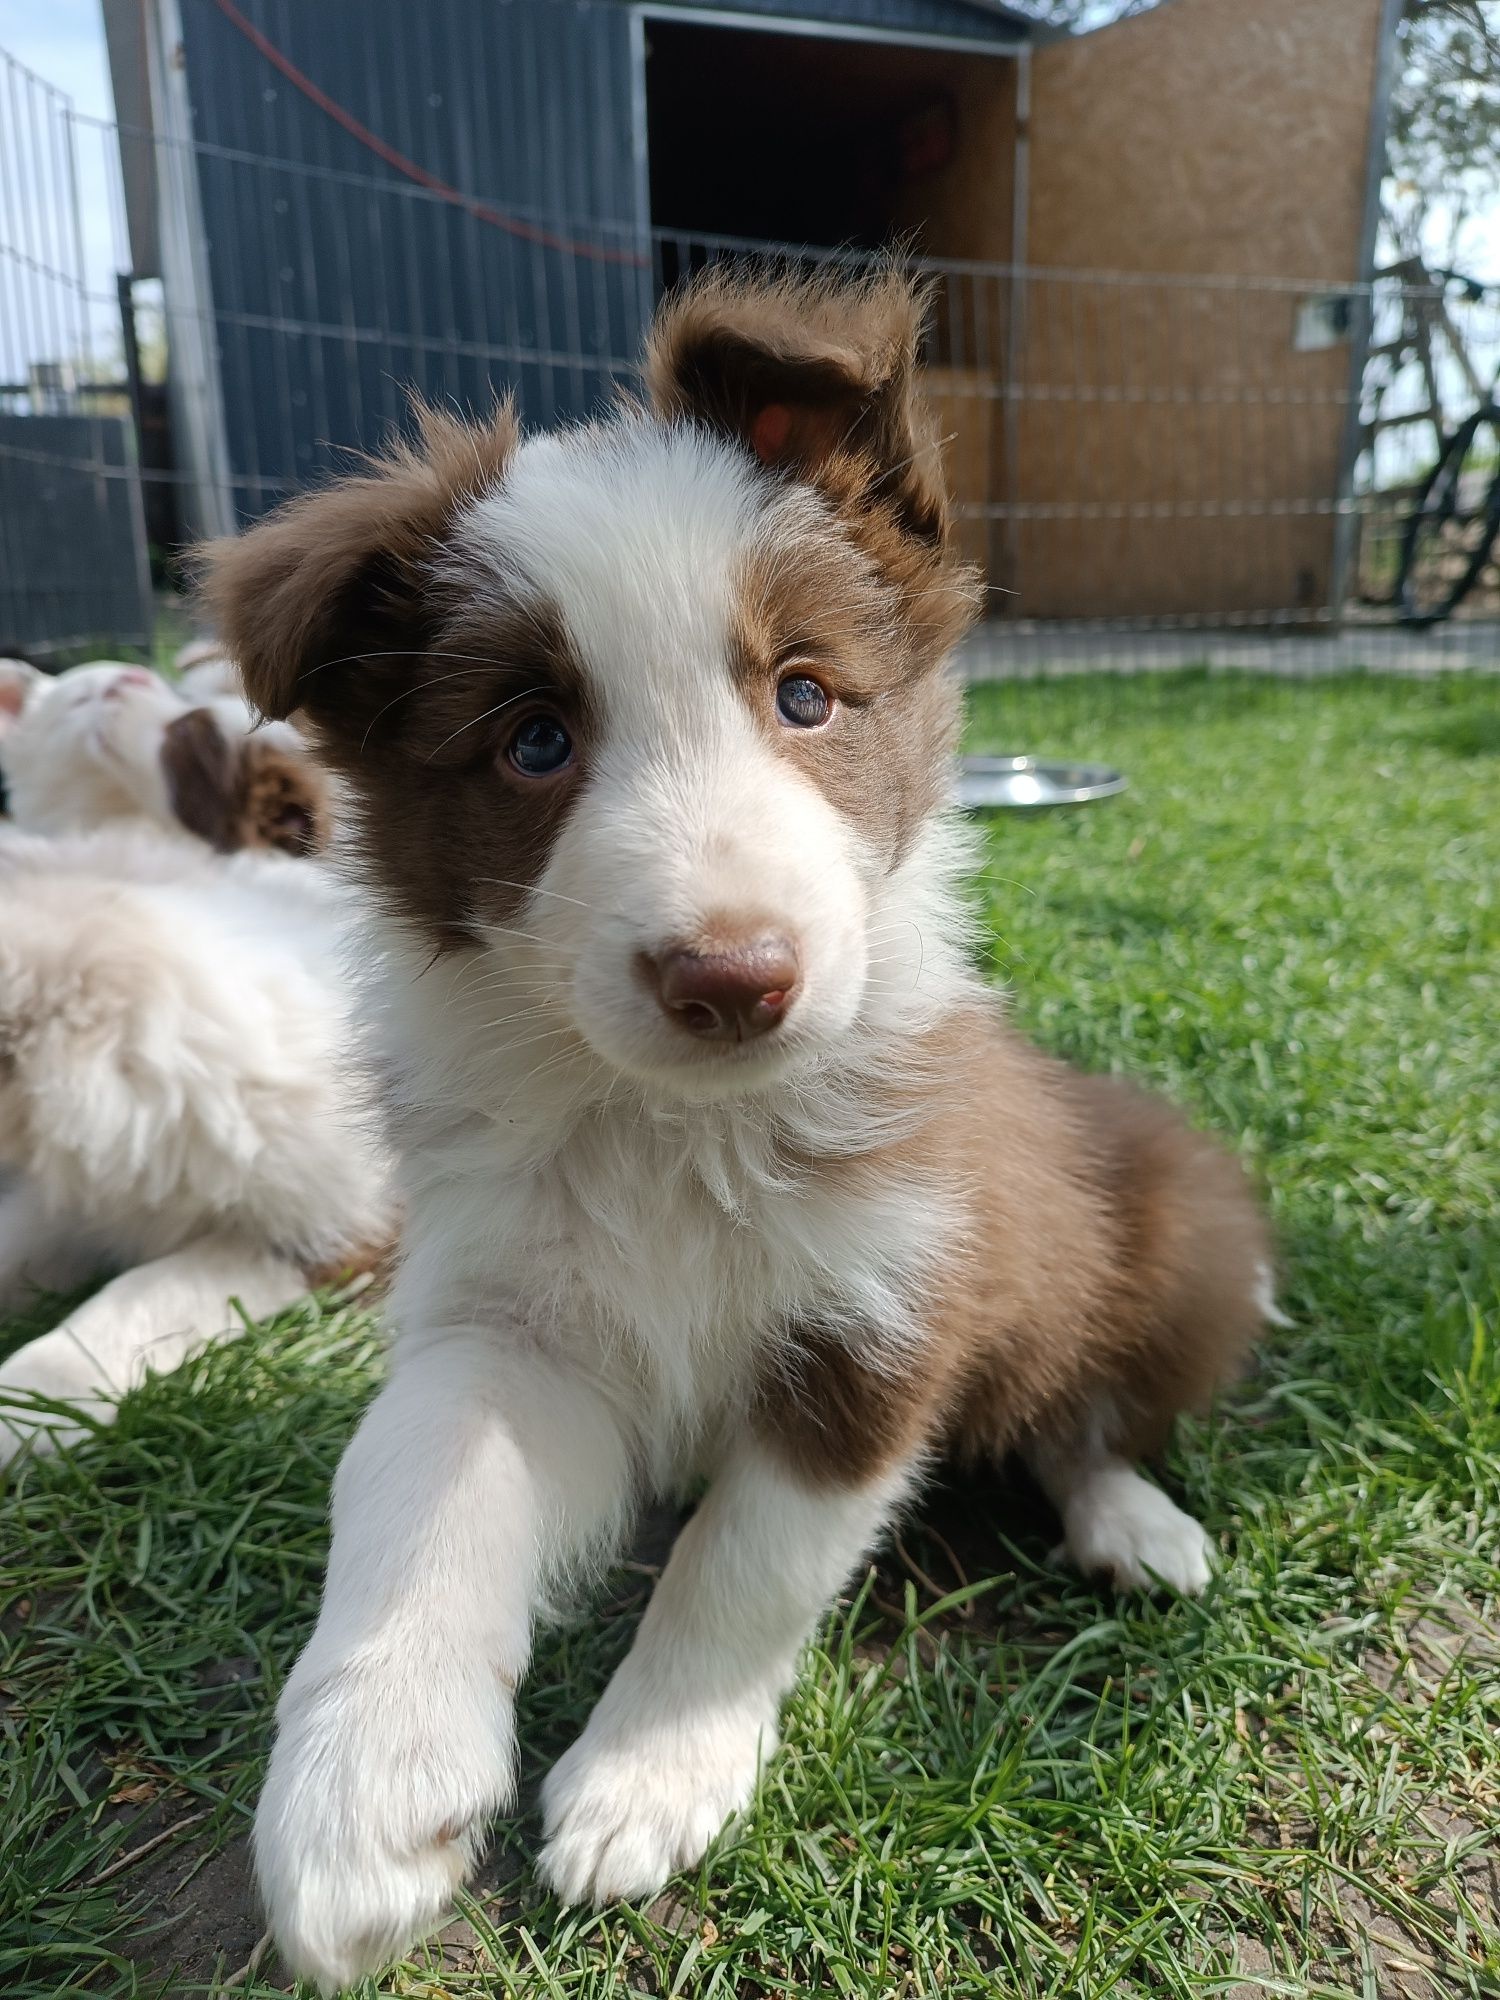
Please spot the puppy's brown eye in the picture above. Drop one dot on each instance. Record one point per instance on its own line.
(540, 747)
(802, 702)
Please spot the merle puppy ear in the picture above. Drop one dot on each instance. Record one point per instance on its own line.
(203, 777)
(808, 372)
(319, 603)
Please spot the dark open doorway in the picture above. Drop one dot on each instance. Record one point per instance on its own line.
(798, 138)
(827, 142)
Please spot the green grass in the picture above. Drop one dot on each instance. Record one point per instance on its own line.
(996, 1780)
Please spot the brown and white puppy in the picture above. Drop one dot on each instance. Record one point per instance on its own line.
(719, 1157)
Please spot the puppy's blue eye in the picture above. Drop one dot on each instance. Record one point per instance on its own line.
(540, 746)
(801, 702)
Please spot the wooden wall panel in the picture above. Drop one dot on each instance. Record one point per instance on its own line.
(1175, 453)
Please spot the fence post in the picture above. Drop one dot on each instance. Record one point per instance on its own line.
(1362, 318)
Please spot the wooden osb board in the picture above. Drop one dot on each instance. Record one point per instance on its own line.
(1175, 453)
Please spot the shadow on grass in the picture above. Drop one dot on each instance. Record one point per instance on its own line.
(1117, 919)
(1476, 734)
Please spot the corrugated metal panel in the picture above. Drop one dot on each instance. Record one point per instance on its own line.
(423, 232)
(73, 568)
(948, 19)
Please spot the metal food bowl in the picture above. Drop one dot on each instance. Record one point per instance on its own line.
(987, 782)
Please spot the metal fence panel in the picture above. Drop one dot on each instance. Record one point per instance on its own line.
(352, 262)
(73, 569)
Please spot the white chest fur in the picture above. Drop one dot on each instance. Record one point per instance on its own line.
(666, 1253)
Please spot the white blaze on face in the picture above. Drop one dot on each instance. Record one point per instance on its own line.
(689, 822)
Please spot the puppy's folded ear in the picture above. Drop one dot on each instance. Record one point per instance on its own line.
(203, 777)
(808, 372)
(321, 602)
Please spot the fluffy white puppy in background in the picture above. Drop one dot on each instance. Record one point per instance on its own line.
(109, 743)
(182, 1099)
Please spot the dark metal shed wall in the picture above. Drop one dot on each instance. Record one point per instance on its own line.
(73, 566)
(948, 19)
(337, 280)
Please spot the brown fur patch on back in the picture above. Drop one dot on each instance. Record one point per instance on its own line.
(1191, 1250)
(1107, 1276)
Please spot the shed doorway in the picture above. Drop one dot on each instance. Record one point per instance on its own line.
(806, 139)
(840, 143)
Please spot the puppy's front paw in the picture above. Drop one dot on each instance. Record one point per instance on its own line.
(1128, 1530)
(633, 1802)
(375, 1804)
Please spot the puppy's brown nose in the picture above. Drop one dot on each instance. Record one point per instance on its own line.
(729, 993)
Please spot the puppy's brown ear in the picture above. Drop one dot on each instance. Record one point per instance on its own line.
(319, 602)
(807, 371)
(285, 801)
(203, 777)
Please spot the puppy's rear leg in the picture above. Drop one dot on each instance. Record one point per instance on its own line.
(1192, 1289)
(145, 1322)
(1116, 1523)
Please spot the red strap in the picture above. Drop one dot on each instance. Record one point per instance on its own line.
(481, 211)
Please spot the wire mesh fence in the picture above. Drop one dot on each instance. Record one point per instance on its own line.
(1150, 468)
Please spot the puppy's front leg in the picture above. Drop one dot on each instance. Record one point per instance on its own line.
(476, 1468)
(672, 1750)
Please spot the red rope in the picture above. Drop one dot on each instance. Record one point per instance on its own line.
(481, 211)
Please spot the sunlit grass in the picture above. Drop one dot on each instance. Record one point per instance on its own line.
(996, 1779)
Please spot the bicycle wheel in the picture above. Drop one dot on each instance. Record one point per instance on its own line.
(1452, 528)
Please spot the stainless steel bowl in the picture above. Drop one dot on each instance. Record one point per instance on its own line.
(986, 782)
